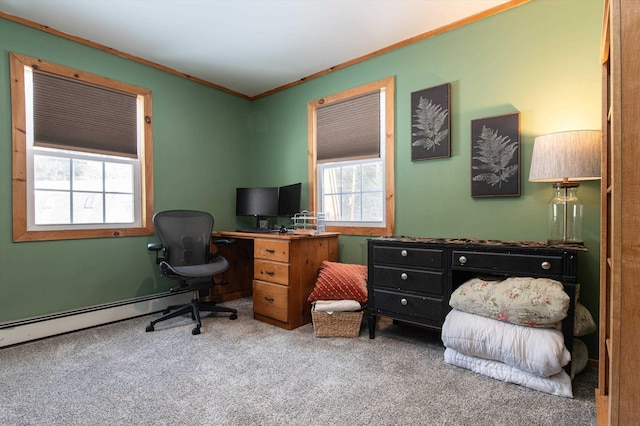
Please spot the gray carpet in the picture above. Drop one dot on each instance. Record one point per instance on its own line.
(245, 372)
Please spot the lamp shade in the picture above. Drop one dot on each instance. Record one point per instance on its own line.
(573, 155)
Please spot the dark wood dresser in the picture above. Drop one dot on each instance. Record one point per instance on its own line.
(411, 279)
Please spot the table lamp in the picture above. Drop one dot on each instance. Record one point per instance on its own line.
(565, 158)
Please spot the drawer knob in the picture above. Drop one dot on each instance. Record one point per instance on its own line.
(403, 302)
(271, 273)
(462, 259)
(269, 299)
(546, 265)
(270, 250)
(404, 276)
(403, 253)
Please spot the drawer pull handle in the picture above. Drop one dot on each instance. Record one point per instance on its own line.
(268, 299)
(546, 265)
(462, 260)
(403, 302)
(403, 253)
(270, 250)
(271, 273)
(404, 276)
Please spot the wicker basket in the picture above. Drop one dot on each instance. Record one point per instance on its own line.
(337, 324)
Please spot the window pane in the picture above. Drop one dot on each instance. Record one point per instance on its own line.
(118, 178)
(372, 206)
(87, 207)
(372, 177)
(351, 178)
(331, 207)
(87, 175)
(52, 207)
(351, 209)
(119, 208)
(331, 180)
(51, 172)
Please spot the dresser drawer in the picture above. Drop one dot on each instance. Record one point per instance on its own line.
(271, 250)
(417, 280)
(410, 305)
(408, 256)
(508, 263)
(270, 300)
(276, 272)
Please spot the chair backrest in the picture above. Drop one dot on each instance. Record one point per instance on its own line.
(185, 235)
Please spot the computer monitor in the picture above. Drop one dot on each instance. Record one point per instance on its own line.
(289, 199)
(257, 202)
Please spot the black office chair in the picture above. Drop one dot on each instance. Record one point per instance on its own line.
(186, 257)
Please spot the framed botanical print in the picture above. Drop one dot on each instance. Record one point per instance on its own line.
(495, 156)
(430, 123)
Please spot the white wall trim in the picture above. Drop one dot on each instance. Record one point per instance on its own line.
(12, 333)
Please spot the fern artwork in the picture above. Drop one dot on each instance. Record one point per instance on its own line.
(495, 156)
(430, 123)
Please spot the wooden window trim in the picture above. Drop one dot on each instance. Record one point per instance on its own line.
(19, 141)
(388, 84)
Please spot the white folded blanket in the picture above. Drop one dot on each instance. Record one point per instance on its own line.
(337, 306)
(538, 351)
(558, 384)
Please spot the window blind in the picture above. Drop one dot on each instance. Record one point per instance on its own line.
(79, 116)
(349, 129)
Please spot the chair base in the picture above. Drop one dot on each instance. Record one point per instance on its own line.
(195, 307)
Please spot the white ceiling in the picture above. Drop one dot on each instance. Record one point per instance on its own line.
(247, 46)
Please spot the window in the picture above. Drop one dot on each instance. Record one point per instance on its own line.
(351, 157)
(82, 154)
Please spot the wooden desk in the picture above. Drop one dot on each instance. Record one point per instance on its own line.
(278, 270)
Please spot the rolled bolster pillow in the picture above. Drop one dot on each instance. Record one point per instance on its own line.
(337, 305)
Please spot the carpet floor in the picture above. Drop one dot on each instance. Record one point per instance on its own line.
(246, 372)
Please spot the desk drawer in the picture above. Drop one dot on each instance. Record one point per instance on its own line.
(275, 272)
(270, 300)
(414, 306)
(417, 280)
(271, 250)
(521, 264)
(408, 256)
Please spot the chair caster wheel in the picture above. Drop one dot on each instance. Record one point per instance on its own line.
(195, 331)
(149, 328)
(233, 316)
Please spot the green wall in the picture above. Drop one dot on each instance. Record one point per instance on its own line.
(540, 59)
(200, 140)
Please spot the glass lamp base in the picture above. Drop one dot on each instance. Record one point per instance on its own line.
(565, 214)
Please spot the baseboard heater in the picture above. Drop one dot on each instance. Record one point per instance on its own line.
(15, 332)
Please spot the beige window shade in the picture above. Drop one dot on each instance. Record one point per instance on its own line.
(79, 116)
(349, 129)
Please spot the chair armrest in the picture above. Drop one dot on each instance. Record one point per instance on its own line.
(219, 243)
(157, 248)
(224, 242)
(154, 246)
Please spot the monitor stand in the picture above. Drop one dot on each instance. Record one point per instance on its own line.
(258, 229)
